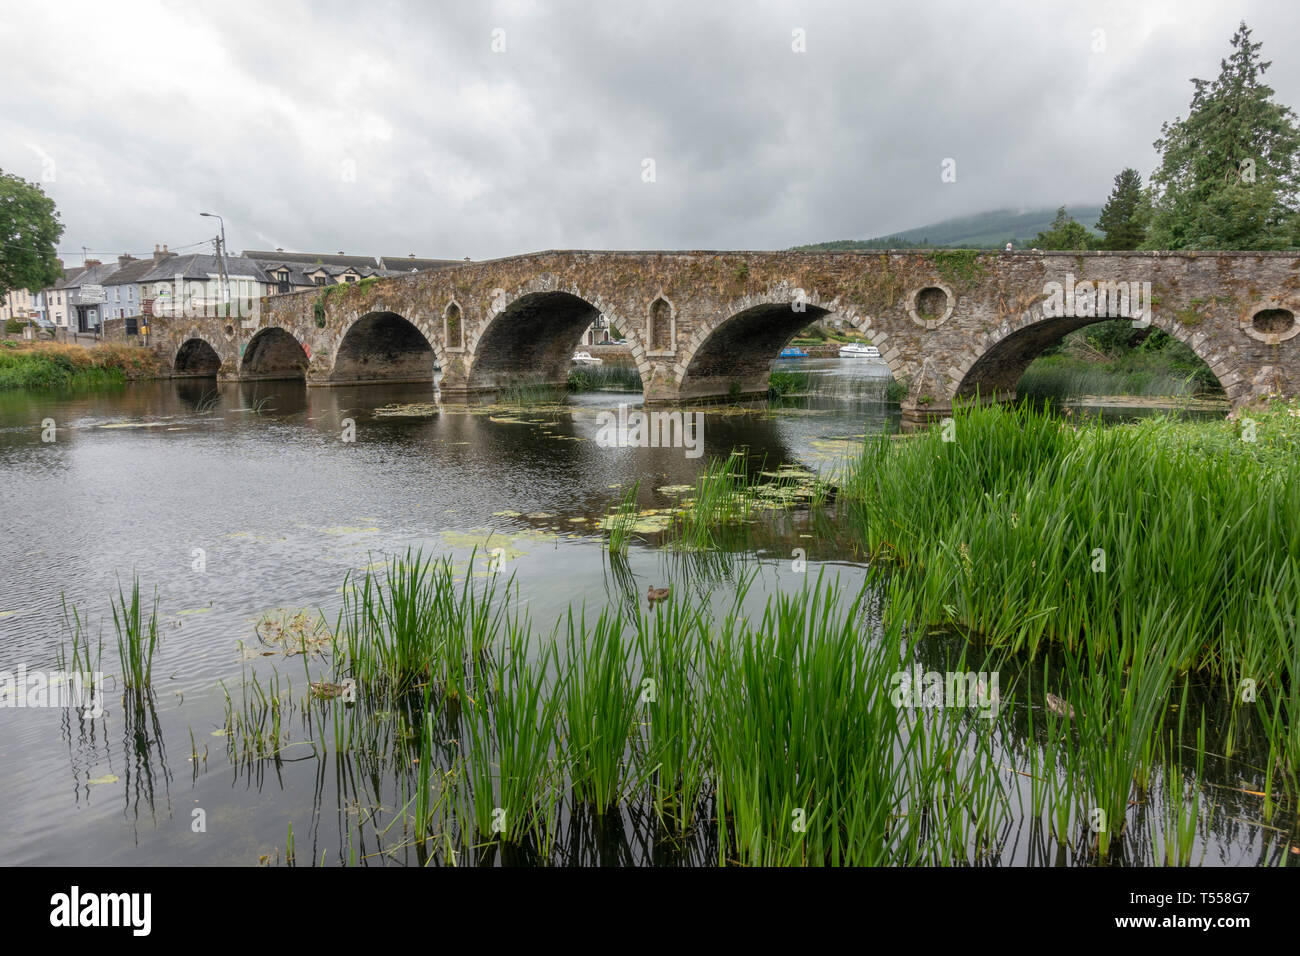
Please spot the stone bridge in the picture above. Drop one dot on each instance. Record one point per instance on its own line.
(703, 325)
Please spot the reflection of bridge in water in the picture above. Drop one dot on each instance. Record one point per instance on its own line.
(707, 324)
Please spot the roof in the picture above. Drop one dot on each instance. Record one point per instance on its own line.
(312, 258)
(69, 272)
(131, 272)
(408, 263)
(200, 267)
(95, 275)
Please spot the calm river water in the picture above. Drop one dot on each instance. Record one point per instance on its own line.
(238, 500)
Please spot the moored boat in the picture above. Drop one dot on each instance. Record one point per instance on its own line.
(853, 350)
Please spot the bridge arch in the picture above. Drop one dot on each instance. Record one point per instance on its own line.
(384, 347)
(196, 358)
(736, 350)
(273, 353)
(533, 338)
(994, 368)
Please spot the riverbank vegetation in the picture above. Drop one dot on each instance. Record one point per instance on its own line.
(55, 366)
(610, 377)
(1121, 601)
(1114, 359)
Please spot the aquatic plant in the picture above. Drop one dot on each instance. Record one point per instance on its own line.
(137, 638)
(613, 377)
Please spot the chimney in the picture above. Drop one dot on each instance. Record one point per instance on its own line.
(92, 262)
(160, 254)
(123, 259)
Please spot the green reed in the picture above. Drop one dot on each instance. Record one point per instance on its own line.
(600, 709)
(609, 377)
(137, 638)
(622, 521)
(510, 759)
(415, 624)
(1142, 552)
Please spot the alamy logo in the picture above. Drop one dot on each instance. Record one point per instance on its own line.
(200, 300)
(102, 909)
(1104, 299)
(652, 430)
(917, 688)
(55, 689)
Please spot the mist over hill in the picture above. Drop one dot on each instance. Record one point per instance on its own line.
(985, 230)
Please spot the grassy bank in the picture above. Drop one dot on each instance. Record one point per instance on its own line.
(606, 378)
(53, 366)
(1113, 358)
(1139, 373)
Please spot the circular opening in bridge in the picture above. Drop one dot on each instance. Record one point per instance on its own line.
(230, 330)
(1273, 321)
(931, 302)
(196, 357)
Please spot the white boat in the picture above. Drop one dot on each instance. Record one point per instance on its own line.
(584, 358)
(859, 351)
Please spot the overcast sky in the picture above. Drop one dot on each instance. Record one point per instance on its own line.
(391, 128)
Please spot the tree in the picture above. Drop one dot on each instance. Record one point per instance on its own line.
(1229, 172)
(1123, 218)
(29, 231)
(1065, 233)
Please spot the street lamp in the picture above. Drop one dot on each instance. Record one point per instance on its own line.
(225, 272)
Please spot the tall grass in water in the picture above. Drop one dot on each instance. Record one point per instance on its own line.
(600, 705)
(510, 747)
(416, 624)
(1159, 546)
(137, 638)
(776, 734)
(1027, 531)
(531, 393)
(812, 760)
(726, 498)
(606, 378)
(785, 381)
(1060, 376)
(621, 521)
(719, 500)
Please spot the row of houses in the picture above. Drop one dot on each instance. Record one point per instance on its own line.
(94, 292)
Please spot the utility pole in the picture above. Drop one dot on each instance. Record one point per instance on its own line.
(222, 270)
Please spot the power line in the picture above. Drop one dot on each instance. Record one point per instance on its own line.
(92, 252)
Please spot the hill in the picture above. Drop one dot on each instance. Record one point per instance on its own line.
(985, 230)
